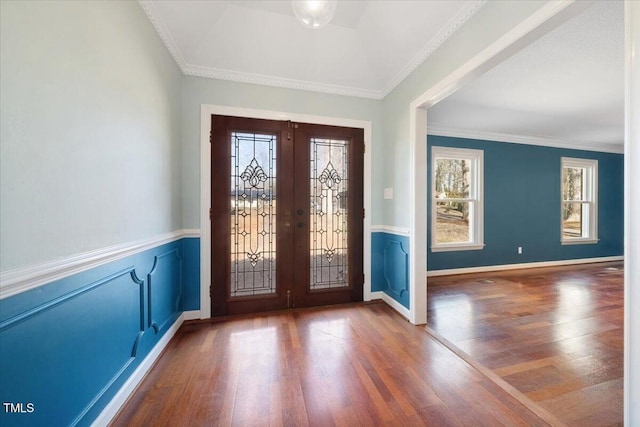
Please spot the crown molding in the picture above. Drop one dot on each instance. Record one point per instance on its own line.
(258, 79)
(239, 77)
(152, 14)
(439, 130)
(451, 27)
(263, 80)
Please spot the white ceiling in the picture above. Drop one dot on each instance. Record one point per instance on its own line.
(565, 89)
(366, 50)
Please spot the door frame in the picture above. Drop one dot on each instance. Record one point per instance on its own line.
(206, 110)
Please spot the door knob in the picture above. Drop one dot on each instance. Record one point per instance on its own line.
(300, 224)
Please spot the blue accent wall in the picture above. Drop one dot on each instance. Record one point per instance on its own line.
(390, 266)
(67, 347)
(191, 274)
(522, 205)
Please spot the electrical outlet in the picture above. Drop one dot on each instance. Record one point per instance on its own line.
(519, 250)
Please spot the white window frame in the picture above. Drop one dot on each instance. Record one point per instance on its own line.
(590, 198)
(476, 198)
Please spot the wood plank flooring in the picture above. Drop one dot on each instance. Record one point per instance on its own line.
(359, 365)
(555, 334)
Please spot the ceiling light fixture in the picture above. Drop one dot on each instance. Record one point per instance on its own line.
(314, 13)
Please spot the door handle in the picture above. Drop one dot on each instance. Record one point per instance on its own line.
(300, 224)
(300, 211)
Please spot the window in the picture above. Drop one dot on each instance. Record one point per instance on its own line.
(456, 199)
(579, 211)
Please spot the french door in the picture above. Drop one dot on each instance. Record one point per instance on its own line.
(286, 215)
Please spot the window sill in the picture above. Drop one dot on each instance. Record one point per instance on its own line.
(579, 242)
(464, 247)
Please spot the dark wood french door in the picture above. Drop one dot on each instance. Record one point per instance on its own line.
(286, 215)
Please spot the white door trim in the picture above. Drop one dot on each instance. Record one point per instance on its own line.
(206, 110)
(632, 210)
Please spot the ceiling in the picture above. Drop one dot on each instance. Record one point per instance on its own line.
(565, 89)
(366, 50)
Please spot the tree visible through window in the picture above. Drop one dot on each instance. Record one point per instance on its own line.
(456, 199)
(579, 200)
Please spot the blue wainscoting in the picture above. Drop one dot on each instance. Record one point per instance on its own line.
(191, 274)
(390, 266)
(522, 206)
(67, 347)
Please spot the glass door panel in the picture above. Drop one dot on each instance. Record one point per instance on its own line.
(329, 204)
(329, 213)
(253, 214)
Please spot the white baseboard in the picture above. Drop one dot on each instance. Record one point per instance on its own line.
(192, 315)
(404, 311)
(138, 375)
(503, 267)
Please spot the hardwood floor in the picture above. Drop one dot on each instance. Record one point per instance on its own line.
(555, 335)
(360, 365)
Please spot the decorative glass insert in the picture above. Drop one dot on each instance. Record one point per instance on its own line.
(329, 214)
(253, 214)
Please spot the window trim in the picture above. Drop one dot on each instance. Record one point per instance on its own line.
(476, 198)
(590, 197)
